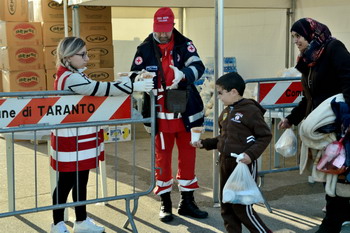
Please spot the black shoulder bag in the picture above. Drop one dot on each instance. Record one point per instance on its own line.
(175, 99)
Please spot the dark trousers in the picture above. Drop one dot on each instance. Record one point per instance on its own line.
(338, 211)
(236, 215)
(66, 182)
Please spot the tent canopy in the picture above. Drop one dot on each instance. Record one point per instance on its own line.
(271, 4)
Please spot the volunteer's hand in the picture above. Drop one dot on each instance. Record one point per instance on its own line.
(145, 85)
(284, 124)
(197, 144)
(179, 75)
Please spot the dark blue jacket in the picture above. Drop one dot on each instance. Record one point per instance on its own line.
(342, 122)
(187, 60)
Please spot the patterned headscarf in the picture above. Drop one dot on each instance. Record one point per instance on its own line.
(317, 34)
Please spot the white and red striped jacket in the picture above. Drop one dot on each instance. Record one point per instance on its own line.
(81, 149)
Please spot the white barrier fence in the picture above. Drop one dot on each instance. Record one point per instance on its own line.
(27, 175)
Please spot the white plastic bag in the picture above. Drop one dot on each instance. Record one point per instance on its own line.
(240, 187)
(287, 144)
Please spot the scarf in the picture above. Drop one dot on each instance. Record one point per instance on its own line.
(317, 34)
(167, 59)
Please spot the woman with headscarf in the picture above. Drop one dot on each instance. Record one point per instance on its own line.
(324, 63)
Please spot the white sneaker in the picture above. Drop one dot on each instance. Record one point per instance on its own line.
(87, 226)
(59, 228)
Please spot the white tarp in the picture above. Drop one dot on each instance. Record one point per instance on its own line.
(278, 4)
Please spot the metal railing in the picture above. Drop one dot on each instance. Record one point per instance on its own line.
(34, 169)
(272, 161)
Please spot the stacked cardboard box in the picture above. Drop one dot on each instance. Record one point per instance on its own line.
(21, 55)
(49, 14)
(95, 30)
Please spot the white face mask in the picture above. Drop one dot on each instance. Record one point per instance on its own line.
(162, 37)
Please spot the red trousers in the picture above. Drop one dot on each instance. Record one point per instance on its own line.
(186, 162)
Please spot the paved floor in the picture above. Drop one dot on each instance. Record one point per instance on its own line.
(296, 204)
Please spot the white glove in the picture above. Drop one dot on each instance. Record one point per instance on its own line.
(145, 85)
(147, 128)
(179, 75)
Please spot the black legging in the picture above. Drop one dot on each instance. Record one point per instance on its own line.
(67, 181)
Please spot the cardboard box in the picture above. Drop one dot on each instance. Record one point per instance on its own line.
(118, 133)
(22, 58)
(47, 11)
(101, 74)
(94, 60)
(95, 14)
(53, 32)
(106, 54)
(20, 33)
(14, 10)
(50, 57)
(33, 80)
(96, 33)
(93, 65)
(94, 55)
(50, 79)
(1, 90)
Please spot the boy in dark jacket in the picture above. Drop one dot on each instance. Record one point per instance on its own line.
(242, 131)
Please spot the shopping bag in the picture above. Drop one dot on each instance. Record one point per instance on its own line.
(287, 144)
(333, 158)
(240, 187)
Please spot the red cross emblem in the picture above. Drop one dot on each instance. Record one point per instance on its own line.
(138, 60)
(191, 48)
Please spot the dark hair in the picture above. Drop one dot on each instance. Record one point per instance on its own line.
(231, 81)
(67, 48)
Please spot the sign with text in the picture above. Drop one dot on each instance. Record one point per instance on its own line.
(282, 92)
(64, 109)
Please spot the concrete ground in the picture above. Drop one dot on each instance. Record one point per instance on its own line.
(296, 204)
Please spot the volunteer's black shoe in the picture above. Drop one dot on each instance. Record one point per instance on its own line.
(165, 213)
(188, 206)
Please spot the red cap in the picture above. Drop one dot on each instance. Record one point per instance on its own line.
(163, 20)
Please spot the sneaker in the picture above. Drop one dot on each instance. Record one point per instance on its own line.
(87, 226)
(59, 228)
(345, 227)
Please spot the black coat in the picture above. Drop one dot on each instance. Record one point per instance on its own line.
(329, 76)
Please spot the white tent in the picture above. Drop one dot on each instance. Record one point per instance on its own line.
(218, 33)
(256, 32)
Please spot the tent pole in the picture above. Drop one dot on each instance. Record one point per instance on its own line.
(182, 14)
(292, 20)
(65, 19)
(76, 20)
(288, 62)
(218, 71)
